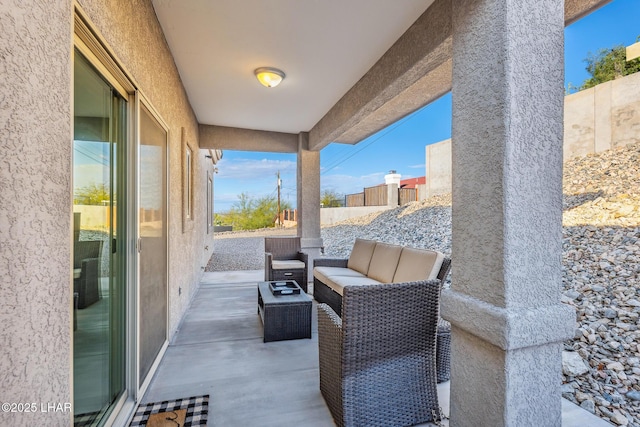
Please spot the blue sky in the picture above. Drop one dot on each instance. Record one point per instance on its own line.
(401, 146)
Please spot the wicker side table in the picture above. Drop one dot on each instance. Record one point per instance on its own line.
(296, 274)
(284, 317)
(443, 351)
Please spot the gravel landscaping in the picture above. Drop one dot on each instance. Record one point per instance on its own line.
(601, 271)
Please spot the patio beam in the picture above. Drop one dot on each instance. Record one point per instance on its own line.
(415, 71)
(576, 9)
(425, 48)
(230, 138)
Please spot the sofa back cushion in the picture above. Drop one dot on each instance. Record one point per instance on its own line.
(418, 264)
(384, 262)
(361, 255)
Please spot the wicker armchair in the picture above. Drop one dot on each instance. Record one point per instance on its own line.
(283, 260)
(86, 272)
(378, 362)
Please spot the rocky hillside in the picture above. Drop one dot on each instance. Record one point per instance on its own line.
(601, 279)
(601, 272)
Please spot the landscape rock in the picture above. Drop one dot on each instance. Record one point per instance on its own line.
(634, 395)
(572, 364)
(589, 406)
(619, 419)
(600, 270)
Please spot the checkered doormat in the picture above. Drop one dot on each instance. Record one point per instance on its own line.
(85, 420)
(197, 410)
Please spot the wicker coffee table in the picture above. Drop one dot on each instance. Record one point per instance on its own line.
(284, 317)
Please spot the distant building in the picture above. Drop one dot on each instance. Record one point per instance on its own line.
(413, 182)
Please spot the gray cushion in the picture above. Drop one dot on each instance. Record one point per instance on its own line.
(361, 255)
(384, 262)
(337, 283)
(289, 264)
(324, 273)
(418, 264)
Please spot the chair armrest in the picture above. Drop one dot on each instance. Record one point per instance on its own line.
(330, 262)
(333, 321)
(89, 269)
(330, 358)
(444, 270)
(304, 257)
(268, 270)
(329, 337)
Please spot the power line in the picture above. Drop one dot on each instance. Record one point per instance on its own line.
(339, 151)
(395, 126)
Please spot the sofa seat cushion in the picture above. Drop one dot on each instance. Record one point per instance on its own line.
(324, 273)
(418, 264)
(337, 283)
(384, 262)
(289, 264)
(361, 255)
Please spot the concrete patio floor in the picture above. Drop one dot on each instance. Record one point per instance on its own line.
(218, 351)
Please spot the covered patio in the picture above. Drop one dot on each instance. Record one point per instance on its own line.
(501, 59)
(218, 351)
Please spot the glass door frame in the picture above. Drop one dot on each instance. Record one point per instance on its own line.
(89, 43)
(141, 100)
(113, 254)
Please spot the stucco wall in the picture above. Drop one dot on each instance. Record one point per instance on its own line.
(603, 117)
(131, 30)
(597, 119)
(438, 169)
(35, 208)
(330, 216)
(35, 182)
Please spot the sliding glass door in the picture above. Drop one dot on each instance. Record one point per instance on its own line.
(152, 261)
(99, 196)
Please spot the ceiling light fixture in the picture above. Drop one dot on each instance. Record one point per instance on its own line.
(268, 76)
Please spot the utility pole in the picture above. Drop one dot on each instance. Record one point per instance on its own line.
(279, 185)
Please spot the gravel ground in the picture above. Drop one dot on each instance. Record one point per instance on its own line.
(242, 250)
(600, 278)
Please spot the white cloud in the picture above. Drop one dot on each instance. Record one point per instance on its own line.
(422, 166)
(251, 169)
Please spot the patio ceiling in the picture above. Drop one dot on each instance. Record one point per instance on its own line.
(324, 47)
(352, 67)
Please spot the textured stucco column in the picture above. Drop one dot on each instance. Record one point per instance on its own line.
(504, 304)
(308, 187)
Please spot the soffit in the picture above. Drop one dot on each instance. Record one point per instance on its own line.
(324, 47)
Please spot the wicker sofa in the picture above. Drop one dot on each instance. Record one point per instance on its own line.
(371, 263)
(374, 262)
(377, 347)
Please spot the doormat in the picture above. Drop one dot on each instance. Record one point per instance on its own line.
(197, 409)
(85, 420)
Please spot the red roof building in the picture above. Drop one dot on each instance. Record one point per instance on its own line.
(412, 182)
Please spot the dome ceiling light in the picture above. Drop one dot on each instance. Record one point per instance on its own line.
(268, 76)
